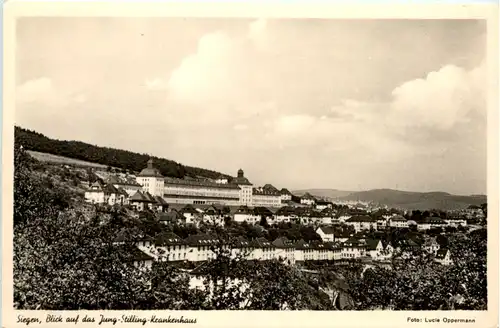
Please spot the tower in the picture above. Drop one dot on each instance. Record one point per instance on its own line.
(151, 180)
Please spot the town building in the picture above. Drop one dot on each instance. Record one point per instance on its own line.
(398, 222)
(443, 257)
(362, 222)
(326, 233)
(285, 250)
(285, 195)
(151, 180)
(180, 191)
(308, 199)
(266, 197)
(245, 192)
(431, 222)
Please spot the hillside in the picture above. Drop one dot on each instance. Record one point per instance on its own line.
(118, 158)
(416, 200)
(323, 193)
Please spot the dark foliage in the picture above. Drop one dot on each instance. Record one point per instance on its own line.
(121, 159)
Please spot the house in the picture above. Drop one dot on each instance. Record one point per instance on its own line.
(431, 222)
(328, 216)
(266, 197)
(140, 201)
(241, 247)
(191, 214)
(303, 251)
(320, 251)
(171, 248)
(398, 222)
(171, 217)
(98, 193)
(323, 204)
(285, 195)
(134, 255)
(127, 183)
(201, 247)
(214, 215)
(285, 250)
(456, 221)
(362, 222)
(326, 233)
(382, 222)
(443, 257)
(307, 199)
(341, 236)
(375, 248)
(263, 213)
(353, 248)
(246, 214)
(407, 247)
(284, 214)
(334, 251)
(264, 250)
(431, 245)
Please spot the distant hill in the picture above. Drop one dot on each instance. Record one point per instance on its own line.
(111, 157)
(416, 200)
(323, 193)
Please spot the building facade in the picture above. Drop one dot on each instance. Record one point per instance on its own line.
(151, 180)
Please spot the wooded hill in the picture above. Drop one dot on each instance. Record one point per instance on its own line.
(123, 159)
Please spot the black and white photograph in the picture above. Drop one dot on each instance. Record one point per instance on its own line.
(250, 163)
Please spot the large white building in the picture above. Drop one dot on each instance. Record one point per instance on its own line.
(151, 180)
(267, 198)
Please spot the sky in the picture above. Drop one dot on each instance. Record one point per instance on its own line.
(298, 103)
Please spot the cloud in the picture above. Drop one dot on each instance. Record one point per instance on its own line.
(441, 100)
(210, 76)
(43, 91)
(155, 84)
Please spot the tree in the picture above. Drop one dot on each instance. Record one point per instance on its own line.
(416, 282)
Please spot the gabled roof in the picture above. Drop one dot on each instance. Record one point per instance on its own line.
(139, 197)
(264, 192)
(308, 196)
(262, 243)
(372, 244)
(150, 197)
(95, 187)
(354, 242)
(283, 242)
(127, 181)
(122, 191)
(327, 230)
(302, 245)
(160, 201)
(270, 188)
(398, 218)
(318, 245)
(285, 191)
(201, 240)
(241, 242)
(441, 254)
(169, 239)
